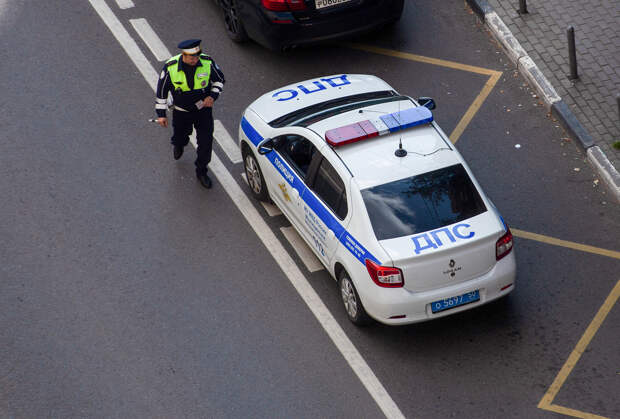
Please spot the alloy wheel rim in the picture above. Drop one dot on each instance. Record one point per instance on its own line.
(230, 17)
(348, 297)
(251, 170)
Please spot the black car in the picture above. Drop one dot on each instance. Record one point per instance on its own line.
(283, 24)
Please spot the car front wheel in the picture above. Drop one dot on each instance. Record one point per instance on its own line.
(234, 27)
(253, 174)
(351, 300)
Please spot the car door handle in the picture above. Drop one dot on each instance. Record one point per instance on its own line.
(295, 194)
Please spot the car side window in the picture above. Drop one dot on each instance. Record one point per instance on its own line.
(330, 188)
(298, 151)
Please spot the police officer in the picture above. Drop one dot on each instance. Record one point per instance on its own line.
(195, 82)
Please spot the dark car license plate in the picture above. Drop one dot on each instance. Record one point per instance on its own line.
(320, 4)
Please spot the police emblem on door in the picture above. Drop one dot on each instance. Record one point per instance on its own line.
(284, 191)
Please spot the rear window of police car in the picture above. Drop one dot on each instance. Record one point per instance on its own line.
(422, 203)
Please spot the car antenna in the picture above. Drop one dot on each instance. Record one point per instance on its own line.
(400, 151)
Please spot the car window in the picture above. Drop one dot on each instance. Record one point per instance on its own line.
(422, 203)
(330, 188)
(332, 107)
(298, 152)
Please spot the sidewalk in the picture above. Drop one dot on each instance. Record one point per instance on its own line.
(537, 44)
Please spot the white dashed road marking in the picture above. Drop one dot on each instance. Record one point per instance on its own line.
(150, 38)
(271, 242)
(225, 141)
(125, 4)
(303, 251)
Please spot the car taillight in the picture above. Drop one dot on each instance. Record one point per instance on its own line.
(503, 245)
(385, 276)
(284, 5)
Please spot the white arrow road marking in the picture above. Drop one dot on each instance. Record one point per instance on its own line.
(271, 242)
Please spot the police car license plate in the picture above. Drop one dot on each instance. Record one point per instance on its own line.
(321, 4)
(448, 303)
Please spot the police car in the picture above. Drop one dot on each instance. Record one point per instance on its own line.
(380, 195)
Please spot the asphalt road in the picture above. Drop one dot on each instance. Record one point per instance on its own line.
(127, 290)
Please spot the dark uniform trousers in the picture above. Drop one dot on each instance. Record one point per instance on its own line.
(183, 123)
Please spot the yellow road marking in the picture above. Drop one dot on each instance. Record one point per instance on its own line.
(547, 400)
(476, 104)
(421, 58)
(564, 243)
(571, 412)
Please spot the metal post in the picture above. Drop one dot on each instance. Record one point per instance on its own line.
(618, 102)
(522, 6)
(572, 55)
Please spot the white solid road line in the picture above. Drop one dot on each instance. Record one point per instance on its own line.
(125, 4)
(271, 242)
(225, 141)
(271, 209)
(150, 38)
(303, 250)
(126, 41)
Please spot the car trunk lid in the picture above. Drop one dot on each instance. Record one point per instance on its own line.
(447, 255)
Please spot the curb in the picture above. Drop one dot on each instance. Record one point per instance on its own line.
(553, 102)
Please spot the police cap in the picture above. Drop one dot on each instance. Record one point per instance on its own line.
(190, 46)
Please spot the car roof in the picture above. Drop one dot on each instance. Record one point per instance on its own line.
(296, 96)
(372, 161)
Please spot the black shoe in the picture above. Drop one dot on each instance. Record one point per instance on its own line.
(177, 152)
(204, 181)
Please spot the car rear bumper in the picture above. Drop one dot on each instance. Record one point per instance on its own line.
(398, 306)
(279, 36)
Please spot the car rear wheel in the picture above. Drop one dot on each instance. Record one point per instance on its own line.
(232, 21)
(351, 300)
(255, 178)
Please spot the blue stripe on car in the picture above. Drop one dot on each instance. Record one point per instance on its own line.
(349, 242)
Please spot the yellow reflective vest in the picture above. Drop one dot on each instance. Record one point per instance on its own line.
(178, 79)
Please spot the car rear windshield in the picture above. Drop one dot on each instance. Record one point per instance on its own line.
(421, 203)
(319, 111)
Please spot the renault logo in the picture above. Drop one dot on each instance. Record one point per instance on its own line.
(452, 263)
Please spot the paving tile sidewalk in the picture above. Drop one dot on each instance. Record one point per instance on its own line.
(541, 33)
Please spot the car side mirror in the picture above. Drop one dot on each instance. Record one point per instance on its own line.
(427, 102)
(265, 146)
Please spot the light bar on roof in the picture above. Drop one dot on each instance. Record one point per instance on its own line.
(376, 127)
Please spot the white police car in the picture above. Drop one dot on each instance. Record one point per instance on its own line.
(381, 196)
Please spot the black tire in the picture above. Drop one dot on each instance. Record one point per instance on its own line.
(232, 21)
(351, 301)
(254, 175)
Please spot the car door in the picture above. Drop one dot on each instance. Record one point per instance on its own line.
(325, 207)
(291, 163)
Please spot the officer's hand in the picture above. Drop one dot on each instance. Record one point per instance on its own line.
(163, 122)
(208, 102)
